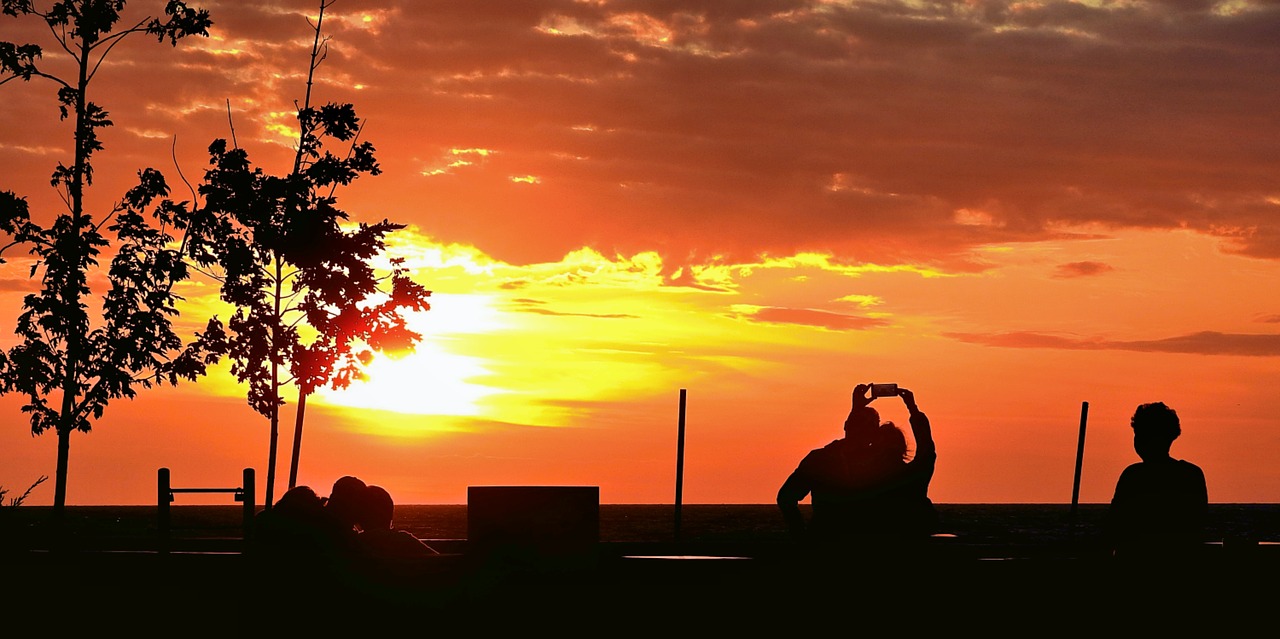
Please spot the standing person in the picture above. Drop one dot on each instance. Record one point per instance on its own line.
(861, 485)
(1160, 503)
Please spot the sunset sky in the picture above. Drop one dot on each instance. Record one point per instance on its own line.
(1010, 208)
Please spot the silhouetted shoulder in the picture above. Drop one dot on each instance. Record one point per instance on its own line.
(820, 456)
(1167, 478)
(1190, 470)
(1159, 508)
(393, 543)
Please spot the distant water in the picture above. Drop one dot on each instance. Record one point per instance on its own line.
(980, 523)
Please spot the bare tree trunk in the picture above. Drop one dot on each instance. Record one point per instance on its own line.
(275, 391)
(271, 458)
(297, 438)
(60, 480)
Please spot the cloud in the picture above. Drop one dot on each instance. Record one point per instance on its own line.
(547, 311)
(811, 317)
(885, 132)
(19, 285)
(526, 305)
(1201, 343)
(688, 277)
(1082, 269)
(1270, 319)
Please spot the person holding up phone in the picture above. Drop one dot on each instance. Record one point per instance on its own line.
(862, 486)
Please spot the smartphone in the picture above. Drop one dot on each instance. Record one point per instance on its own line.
(884, 390)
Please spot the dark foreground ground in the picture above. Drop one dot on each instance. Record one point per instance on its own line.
(635, 590)
(1008, 571)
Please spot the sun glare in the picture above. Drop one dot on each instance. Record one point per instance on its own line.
(431, 380)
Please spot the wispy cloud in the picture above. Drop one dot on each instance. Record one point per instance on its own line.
(1082, 269)
(811, 317)
(539, 307)
(24, 286)
(1201, 343)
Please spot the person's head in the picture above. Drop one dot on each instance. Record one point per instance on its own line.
(344, 499)
(861, 422)
(1155, 426)
(288, 526)
(299, 500)
(377, 509)
(890, 443)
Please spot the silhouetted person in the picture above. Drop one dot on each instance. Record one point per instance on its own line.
(379, 538)
(1160, 503)
(861, 486)
(290, 538)
(292, 528)
(300, 550)
(342, 513)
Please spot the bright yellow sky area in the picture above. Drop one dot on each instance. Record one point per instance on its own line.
(597, 348)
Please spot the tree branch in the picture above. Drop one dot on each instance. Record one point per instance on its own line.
(115, 210)
(40, 74)
(61, 38)
(209, 274)
(350, 150)
(173, 153)
(114, 39)
(232, 126)
(311, 74)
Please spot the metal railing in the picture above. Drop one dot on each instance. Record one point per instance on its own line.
(165, 493)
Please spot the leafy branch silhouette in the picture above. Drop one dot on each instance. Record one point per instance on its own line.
(311, 307)
(70, 363)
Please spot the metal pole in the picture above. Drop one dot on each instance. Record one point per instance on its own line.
(163, 496)
(247, 489)
(680, 464)
(1075, 490)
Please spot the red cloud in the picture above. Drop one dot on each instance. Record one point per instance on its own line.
(1202, 343)
(1082, 269)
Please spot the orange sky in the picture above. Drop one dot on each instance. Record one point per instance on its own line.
(1010, 208)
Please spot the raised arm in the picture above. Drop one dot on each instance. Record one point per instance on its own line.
(920, 429)
(860, 398)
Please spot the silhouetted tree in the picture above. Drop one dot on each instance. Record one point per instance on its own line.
(310, 304)
(69, 363)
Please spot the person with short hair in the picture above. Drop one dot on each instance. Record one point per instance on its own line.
(379, 538)
(1160, 504)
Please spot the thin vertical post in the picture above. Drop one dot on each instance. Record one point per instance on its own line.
(1075, 489)
(164, 495)
(680, 464)
(247, 493)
